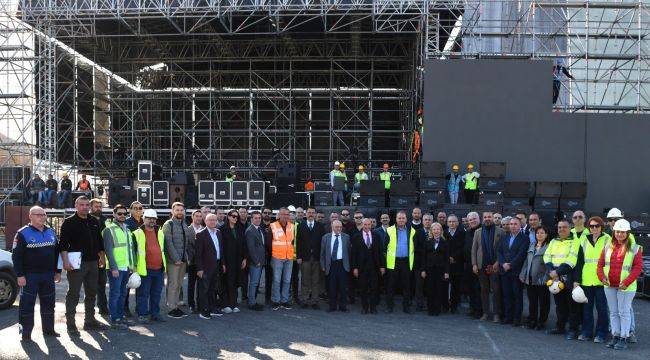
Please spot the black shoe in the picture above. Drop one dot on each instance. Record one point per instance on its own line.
(407, 311)
(613, 342)
(344, 309)
(516, 323)
(73, 331)
(216, 312)
(389, 310)
(556, 331)
(364, 311)
(127, 313)
(157, 318)
(94, 325)
(103, 311)
(26, 338)
(304, 306)
(540, 326)
(285, 306)
(205, 315)
(571, 335)
(256, 307)
(315, 306)
(331, 310)
(176, 314)
(453, 310)
(323, 296)
(51, 333)
(276, 306)
(621, 344)
(373, 310)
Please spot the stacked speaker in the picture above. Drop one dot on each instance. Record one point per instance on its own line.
(547, 200)
(371, 194)
(235, 193)
(491, 186)
(433, 185)
(517, 197)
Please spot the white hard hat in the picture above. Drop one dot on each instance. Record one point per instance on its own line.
(232, 167)
(621, 225)
(134, 281)
(578, 295)
(336, 163)
(614, 213)
(150, 213)
(556, 287)
(291, 208)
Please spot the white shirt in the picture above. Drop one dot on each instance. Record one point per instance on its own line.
(310, 224)
(215, 241)
(258, 229)
(339, 252)
(197, 228)
(367, 236)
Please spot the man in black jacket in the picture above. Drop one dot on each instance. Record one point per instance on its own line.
(456, 240)
(256, 246)
(102, 302)
(422, 234)
(511, 254)
(470, 279)
(367, 264)
(310, 234)
(80, 235)
(209, 257)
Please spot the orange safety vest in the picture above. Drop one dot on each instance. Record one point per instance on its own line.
(282, 245)
(84, 184)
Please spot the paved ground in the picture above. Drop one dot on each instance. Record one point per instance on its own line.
(312, 334)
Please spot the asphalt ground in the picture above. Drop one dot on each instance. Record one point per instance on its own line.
(310, 334)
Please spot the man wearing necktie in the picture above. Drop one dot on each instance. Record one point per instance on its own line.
(335, 262)
(367, 264)
(310, 234)
(511, 255)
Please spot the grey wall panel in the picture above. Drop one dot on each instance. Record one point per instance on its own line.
(496, 110)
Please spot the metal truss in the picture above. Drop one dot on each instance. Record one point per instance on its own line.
(204, 84)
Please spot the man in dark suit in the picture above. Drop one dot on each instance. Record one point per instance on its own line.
(209, 266)
(256, 246)
(335, 262)
(511, 254)
(367, 264)
(310, 235)
(455, 236)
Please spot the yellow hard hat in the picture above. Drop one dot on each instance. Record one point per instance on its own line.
(470, 166)
(65, 174)
(361, 167)
(455, 167)
(342, 166)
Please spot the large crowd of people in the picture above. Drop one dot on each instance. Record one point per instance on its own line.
(303, 259)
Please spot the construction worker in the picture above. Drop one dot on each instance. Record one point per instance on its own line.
(613, 215)
(121, 260)
(470, 180)
(591, 246)
(560, 258)
(337, 195)
(231, 176)
(453, 183)
(151, 263)
(359, 176)
(386, 176)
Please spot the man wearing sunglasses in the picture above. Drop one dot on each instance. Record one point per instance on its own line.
(120, 252)
(134, 221)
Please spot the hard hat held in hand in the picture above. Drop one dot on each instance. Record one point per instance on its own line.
(578, 295)
(555, 286)
(134, 281)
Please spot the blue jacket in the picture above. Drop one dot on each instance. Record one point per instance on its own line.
(35, 251)
(515, 254)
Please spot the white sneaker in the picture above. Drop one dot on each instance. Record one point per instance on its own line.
(235, 309)
(226, 310)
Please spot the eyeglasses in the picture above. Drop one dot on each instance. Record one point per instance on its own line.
(120, 213)
(593, 226)
(358, 217)
(578, 217)
(345, 214)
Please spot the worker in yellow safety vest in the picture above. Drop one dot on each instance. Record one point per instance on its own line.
(386, 176)
(400, 259)
(586, 276)
(560, 258)
(151, 265)
(337, 195)
(359, 177)
(120, 256)
(470, 187)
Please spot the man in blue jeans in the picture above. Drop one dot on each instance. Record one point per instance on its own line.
(282, 250)
(120, 252)
(256, 246)
(151, 264)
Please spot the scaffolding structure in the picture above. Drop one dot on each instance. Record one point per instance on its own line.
(201, 85)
